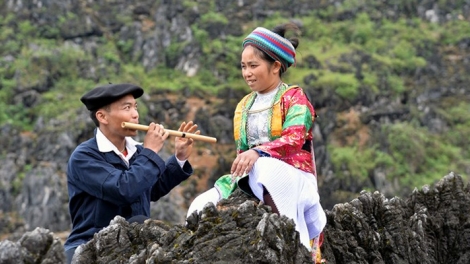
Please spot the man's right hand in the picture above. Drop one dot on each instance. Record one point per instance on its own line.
(155, 137)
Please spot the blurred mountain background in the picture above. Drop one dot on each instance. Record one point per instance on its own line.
(389, 81)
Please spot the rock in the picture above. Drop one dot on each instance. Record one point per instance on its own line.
(239, 230)
(37, 246)
(430, 226)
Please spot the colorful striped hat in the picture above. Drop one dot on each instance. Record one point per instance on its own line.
(277, 47)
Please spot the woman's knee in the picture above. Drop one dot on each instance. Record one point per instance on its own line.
(211, 195)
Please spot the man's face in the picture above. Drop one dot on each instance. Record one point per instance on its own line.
(122, 110)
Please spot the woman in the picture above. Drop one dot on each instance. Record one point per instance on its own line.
(273, 132)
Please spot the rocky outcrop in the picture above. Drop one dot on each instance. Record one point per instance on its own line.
(239, 230)
(164, 33)
(429, 226)
(37, 246)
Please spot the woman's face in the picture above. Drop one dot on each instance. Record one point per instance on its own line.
(260, 75)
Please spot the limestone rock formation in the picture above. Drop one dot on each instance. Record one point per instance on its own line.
(239, 230)
(37, 246)
(155, 34)
(429, 226)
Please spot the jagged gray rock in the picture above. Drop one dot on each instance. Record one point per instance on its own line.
(239, 230)
(430, 226)
(163, 33)
(37, 246)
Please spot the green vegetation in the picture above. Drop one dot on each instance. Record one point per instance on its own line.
(17, 183)
(351, 166)
(344, 85)
(414, 157)
(421, 154)
(368, 52)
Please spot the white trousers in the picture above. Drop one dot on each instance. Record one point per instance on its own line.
(210, 196)
(294, 192)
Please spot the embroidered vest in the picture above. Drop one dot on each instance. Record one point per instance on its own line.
(276, 114)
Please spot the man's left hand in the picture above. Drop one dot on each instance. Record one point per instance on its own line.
(184, 146)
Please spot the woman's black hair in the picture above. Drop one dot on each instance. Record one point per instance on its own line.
(282, 29)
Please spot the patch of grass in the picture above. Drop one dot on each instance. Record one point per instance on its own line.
(352, 164)
(454, 31)
(344, 85)
(419, 156)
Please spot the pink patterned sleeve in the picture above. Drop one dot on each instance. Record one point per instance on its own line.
(297, 112)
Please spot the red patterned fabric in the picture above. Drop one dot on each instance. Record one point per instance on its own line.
(297, 116)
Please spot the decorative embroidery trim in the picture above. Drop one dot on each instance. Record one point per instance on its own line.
(274, 126)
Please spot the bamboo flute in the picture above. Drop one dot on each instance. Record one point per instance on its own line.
(174, 133)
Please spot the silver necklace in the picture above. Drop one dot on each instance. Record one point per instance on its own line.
(258, 117)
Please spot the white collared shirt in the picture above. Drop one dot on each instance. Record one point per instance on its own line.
(104, 145)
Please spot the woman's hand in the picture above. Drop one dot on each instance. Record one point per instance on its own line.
(243, 163)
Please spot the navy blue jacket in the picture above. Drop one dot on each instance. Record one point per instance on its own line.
(101, 186)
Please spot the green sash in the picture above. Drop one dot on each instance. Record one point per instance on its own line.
(226, 186)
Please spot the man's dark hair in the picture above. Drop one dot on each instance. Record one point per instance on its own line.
(107, 108)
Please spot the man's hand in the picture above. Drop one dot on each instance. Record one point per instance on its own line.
(184, 146)
(155, 137)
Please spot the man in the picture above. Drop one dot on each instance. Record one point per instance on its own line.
(111, 174)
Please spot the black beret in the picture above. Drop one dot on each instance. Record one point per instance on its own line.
(107, 94)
